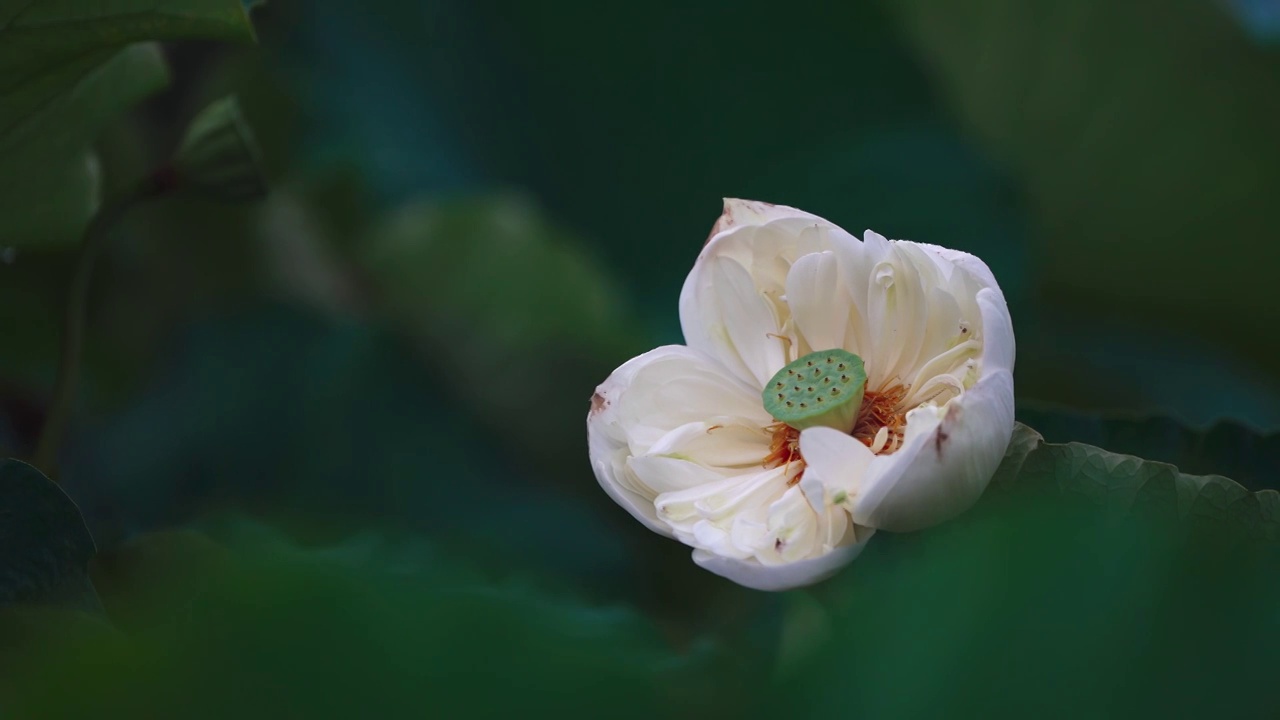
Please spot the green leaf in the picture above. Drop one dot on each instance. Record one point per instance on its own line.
(1084, 584)
(521, 321)
(49, 176)
(1123, 485)
(1135, 153)
(66, 69)
(44, 545)
(378, 625)
(1229, 448)
(46, 46)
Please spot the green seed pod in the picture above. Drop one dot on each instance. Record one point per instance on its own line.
(820, 389)
(219, 156)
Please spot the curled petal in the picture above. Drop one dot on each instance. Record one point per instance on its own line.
(837, 461)
(642, 403)
(731, 305)
(679, 436)
(946, 460)
(745, 213)
(998, 351)
(948, 259)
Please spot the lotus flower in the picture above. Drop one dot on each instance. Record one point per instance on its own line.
(829, 387)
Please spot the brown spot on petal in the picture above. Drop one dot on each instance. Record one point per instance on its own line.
(598, 403)
(727, 220)
(943, 433)
(939, 439)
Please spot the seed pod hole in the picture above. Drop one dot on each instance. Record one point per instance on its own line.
(830, 397)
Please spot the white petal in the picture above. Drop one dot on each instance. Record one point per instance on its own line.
(855, 262)
(644, 400)
(948, 258)
(724, 315)
(943, 329)
(819, 304)
(775, 578)
(763, 240)
(722, 498)
(720, 442)
(946, 460)
(836, 460)
(745, 213)
(998, 352)
(659, 474)
(897, 320)
(753, 328)
(609, 463)
(667, 387)
(715, 539)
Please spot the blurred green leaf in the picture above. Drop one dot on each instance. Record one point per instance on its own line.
(333, 420)
(1151, 178)
(1036, 604)
(1121, 485)
(44, 545)
(369, 627)
(49, 176)
(1226, 448)
(66, 69)
(46, 46)
(522, 323)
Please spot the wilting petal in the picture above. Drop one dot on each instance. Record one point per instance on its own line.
(745, 213)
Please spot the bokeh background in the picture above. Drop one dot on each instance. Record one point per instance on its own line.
(301, 418)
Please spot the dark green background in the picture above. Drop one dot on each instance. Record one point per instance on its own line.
(331, 445)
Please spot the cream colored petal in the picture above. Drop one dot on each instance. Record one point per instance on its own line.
(897, 319)
(764, 240)
(776, 578)
(819, 303)
(642, 402)
(720, 442)
(948, 258)
(946, 460)
(724, 315)
(837, 461)
(750, 323)
(667, 387)
(794, 528)
(663, 474)
(720, 499)
(998, 349)
(744, 213)
(608, 461)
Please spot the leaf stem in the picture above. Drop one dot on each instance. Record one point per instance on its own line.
(95, 236)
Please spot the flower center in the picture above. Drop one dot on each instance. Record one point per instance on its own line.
(784, 450)
(819, 389)
(882, 422)
(828, 388)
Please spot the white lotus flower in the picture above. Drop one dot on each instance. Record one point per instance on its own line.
(681, 438)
